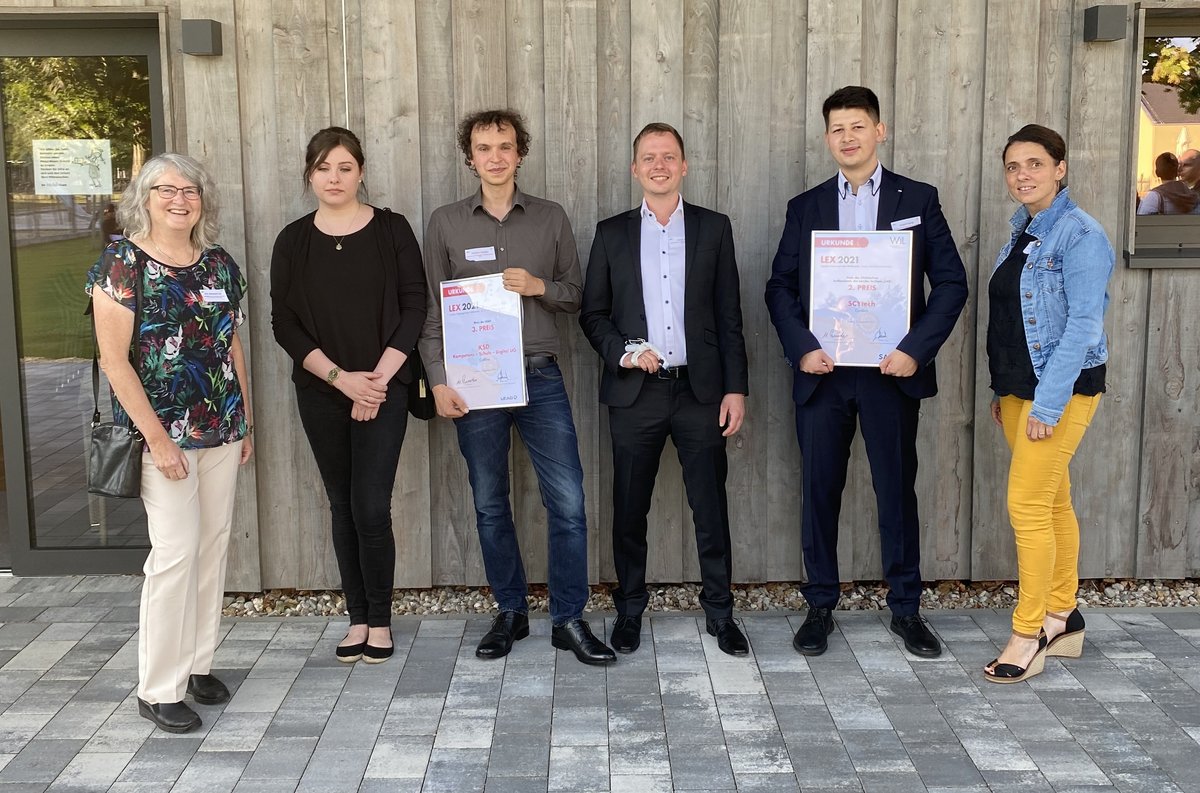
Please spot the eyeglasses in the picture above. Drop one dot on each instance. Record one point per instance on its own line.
(169, 191)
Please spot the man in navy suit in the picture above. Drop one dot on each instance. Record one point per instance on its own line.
(885, 401)
(662, 306)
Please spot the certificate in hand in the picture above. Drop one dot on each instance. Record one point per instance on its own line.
(481, 342)
(860, 294)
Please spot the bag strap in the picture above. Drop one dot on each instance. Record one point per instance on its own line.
(135, 351)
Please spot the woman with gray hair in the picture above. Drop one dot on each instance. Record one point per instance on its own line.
(173, 294)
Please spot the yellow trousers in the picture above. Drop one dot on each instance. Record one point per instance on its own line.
(1039, 506)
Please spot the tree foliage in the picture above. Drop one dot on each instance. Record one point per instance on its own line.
(1174, 62)
(93, 97)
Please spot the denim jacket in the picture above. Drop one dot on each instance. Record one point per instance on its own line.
(1063, 299)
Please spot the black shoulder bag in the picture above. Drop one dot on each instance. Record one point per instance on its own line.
(421, 404)
(115, 451)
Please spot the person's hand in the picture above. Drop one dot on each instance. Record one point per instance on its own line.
(361, 413)
(523, 282)
(168, 458)
(1036, 430)
(996, 413)
(449, 404)
(367, 389)
(816, 362)
(247, 450)
(733, 413)
(898, 364)
(647, 362)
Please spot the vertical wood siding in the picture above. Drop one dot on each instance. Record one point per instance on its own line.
(744, 81)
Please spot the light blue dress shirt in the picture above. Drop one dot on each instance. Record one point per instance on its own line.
(859, 212)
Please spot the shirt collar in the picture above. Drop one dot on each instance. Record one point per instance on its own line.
(648, 214)
(872, 183)
(518, 198)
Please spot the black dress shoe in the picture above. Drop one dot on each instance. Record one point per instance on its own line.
(813, 636)
(349, 653)
(207, 690)
(577, 637)
(730, 639)
(169, 716)
(626, 634)
(918, 639)
(373, 654)
(508, 627)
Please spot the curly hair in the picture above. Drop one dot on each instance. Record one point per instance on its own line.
(135, 218)
(498, 118)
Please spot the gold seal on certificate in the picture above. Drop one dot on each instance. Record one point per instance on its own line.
(481, 342)
(860, 293)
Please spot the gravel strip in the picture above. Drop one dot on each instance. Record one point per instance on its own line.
(1105, 592)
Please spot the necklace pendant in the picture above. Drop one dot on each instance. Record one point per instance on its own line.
(337, 247)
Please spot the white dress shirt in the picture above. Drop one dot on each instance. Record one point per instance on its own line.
(663, 254)
(859, 212)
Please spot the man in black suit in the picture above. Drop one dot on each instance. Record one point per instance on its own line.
(661, 304)
(886, 401)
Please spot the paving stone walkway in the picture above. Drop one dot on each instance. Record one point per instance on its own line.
(677, 715)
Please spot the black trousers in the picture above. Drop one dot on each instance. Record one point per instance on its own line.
(825, 426)
(668, 408)
(357, 461)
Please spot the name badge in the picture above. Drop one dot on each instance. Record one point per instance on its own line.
(487, 254)
(907, 223)
(214, 296)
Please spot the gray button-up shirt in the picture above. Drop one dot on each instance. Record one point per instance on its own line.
(535, 235)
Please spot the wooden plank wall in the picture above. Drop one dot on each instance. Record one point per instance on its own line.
(744, 81)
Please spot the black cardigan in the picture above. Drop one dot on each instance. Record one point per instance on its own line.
(404, 303)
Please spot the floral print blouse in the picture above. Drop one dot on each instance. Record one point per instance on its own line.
(189, 315)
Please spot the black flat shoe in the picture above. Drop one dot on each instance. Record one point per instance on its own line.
(508, 627)
(207, 690)
(918, 639)
(169, 716)
(730, 639)
(626, 634)
(377, 655)
(1011, 673)
(577, 637)
(1069, 643)
(813, 636)
(349, 653)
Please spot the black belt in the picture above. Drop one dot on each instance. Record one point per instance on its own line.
(672, 373)
(538, 361)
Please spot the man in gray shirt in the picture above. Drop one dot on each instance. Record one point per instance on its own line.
(529, 242)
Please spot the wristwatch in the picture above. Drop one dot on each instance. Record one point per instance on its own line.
(333, 375)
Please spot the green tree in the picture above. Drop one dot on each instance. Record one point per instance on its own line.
(104, 97)
(1174, 62)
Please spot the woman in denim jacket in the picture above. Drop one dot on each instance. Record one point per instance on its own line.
(1046, 355)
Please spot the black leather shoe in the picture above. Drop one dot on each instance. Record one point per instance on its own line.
(626, 634)
(918, 639)
(730, 639)
(813, 636)
(508, 627)
(169, 716)
(374, 654)
(207, 690)
(577, 637)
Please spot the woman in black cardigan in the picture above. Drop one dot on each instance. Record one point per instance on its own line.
(347, 304)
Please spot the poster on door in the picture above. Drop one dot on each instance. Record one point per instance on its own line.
(72, 167)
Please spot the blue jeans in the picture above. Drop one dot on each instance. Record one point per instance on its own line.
(546, 427)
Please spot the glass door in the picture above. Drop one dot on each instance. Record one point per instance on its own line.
(81, 112)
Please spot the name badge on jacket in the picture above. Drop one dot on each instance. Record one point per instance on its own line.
(907, 223)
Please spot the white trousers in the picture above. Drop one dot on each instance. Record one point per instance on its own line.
(189, 522)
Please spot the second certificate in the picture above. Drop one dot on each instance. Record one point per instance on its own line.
(481, 342)
(860, 293)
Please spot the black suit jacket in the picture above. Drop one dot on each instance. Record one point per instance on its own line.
(935, 258)
(613, 308)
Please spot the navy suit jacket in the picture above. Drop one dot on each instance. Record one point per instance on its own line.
(935, 258)
(614, 311)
